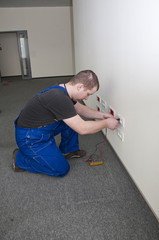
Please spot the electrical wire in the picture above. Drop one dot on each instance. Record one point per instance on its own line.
(90, 157)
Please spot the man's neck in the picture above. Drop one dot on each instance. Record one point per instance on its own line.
(68, 87)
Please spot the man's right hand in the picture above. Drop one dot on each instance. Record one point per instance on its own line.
(112, 123)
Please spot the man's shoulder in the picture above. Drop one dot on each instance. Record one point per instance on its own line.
(54, 91)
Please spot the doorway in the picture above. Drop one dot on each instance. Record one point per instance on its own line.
(14, 54)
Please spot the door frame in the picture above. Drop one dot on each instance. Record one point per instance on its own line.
(27, 59)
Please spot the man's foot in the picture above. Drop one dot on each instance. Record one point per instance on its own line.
(14, 166)
(76, 154)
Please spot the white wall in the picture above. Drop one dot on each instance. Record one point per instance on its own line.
(49, 34)
(119, 40)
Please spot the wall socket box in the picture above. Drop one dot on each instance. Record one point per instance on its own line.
(101, 103)
(121, 125)
(103, 106)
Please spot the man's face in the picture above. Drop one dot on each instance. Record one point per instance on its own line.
(83, 93)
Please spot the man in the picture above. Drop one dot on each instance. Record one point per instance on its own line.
(53, 111)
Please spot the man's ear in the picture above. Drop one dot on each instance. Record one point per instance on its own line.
(80, 86)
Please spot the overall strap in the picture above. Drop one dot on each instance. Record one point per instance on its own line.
(47, 89)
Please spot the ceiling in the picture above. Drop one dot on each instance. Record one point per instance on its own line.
(35, 3)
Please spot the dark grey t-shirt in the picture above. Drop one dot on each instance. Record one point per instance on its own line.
(46, 108)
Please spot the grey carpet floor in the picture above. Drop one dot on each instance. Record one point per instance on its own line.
(90, 203)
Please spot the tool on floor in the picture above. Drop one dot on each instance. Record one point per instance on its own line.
(95, 162)
(99, 160)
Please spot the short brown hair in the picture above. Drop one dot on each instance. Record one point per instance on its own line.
(87, 77)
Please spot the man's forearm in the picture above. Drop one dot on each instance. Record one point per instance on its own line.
(87, 112)
(89, 127)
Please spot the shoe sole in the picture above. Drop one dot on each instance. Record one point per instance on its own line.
(14, 166)
(14, 158)
(70, 155)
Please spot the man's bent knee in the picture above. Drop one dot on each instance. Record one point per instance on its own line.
(66, 170)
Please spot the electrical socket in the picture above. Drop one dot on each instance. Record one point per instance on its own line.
(98, 98)
(120, 134)
(111, 111)
(103, 103)
(98, 108)
(121, 121)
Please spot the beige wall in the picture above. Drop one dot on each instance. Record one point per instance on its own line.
(119, 40)
(49, 35)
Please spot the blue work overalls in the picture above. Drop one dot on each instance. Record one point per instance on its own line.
(38, 152)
